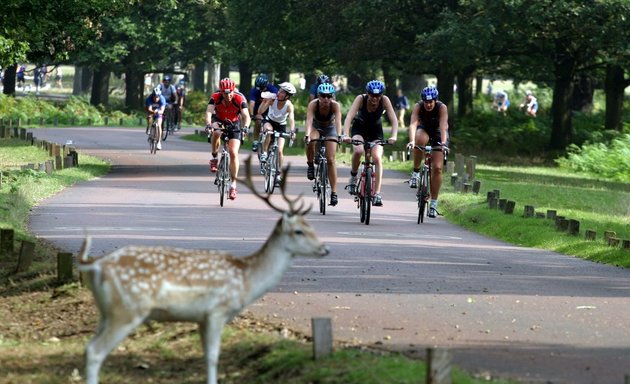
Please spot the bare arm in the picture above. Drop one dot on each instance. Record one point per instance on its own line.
(413, 125)
(291, 117)
(337, 110)
(209, 113)
(310, 111)
(246, 118)
(443, 124)
(391, 115)
(351, 113)
(264, 105)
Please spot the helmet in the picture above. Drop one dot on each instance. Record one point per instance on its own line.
(326, 89)
(261, 81)
(375, 87)
(157, 91)
(226, 84)
(429, 93)
(167, 78)
(288, 88)
(322, 79)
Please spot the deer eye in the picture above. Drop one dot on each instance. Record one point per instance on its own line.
(298, 232)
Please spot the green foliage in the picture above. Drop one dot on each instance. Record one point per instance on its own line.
(608, 161)
(77, 110)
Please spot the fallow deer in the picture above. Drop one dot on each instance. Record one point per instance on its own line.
(136, 284)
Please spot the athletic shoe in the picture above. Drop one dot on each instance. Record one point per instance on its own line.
(378, 200)
(352, 185)
(310, 172)
(159, 146)
(413, 182)
(263, 157)
(333, 199)
(232, 194)
(255, 146)
(213, 165)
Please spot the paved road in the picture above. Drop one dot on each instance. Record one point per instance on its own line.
(502, 310)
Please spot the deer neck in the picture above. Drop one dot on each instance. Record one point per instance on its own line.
(266, 266)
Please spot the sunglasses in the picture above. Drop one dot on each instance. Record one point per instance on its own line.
(374, 95)
(325, 96)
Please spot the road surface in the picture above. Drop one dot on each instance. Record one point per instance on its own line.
(502, 310)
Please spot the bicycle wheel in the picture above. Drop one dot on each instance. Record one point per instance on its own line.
(423, 195)
(165, 121)
(275, 169)
(270, 172)
(153, 139)
(367, 201)
(224, 177)
(323, 186)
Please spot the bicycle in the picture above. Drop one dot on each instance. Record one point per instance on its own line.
(168, 123)
(423, 180)
(321, 184)
(223, 179)
(153, 138)
(364, 190)
(271, 167)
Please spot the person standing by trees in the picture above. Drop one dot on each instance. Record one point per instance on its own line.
(402, 104)
(312, 91)
(365, 117)
(530, 104)
(429, 125)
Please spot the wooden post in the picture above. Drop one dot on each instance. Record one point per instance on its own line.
(492, 203)
(574, 227)
(476, 186)
(613, 241)
(489, 195)
(509, 207)
(438, 366)
(140, 119)
(27, 250)
(564, 225)
(64, 267)
(453, 180)
(460, 165)
(466, 187)
(106, 120)
(557, 220)
(529, 211)
(471, 165)
(625, 244)
(497, 193)
(120, 122)
(502, 203)
(540, 215)
(590, 235)
(6, 241)
(58, 163)
(609, 234)
(551, 214)
(322, 337)
(22, 133)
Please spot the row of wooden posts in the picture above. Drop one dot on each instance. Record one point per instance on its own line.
(19, 122)
(563, 224)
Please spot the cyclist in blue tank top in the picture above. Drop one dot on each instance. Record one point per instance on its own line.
(429, 125)
(365, 116)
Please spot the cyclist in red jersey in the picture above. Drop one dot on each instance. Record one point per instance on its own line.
(227, 105)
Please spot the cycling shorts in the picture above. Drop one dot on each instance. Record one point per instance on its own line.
(325, 131)
(369, 132)
(277, 127)
(434, 136)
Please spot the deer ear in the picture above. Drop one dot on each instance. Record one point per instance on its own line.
(286, 220)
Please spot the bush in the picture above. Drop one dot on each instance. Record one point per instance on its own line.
(608, 161)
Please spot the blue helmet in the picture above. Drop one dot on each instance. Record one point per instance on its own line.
(429, 93)
(323, 79)
(375, 87)
(326, 89)
(261, 81)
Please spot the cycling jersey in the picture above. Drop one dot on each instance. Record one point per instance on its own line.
(169, 92)
(322, 120)
(156, 105)
(278, 115)
(368, 124)
(430, 120)
(232, 110)
(255, 95)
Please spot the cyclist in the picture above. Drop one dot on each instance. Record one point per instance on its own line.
(227, 105)
(501, 102)
(278, 112)
(323, 118)
(429, 125)
(313, 89)
(261, 84)
(530, 104)
(181, 96)
(169, 92)
(155, 103)
(365, 117)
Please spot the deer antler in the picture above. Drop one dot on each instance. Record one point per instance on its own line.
(293, 210)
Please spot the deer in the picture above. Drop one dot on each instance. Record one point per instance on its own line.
(138, 284)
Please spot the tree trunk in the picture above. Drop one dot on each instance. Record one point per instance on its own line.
(446, 80)
(465, 92)
(134, 89)
(198, 77)
(8, 81)
(582, 96)
(478, 85)
(245, 73)
(390, 83)
(100, 87)
(86, 80)
(561, 126)
(614, 88)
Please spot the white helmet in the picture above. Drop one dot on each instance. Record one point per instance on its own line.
(288, 88)
(157, 91)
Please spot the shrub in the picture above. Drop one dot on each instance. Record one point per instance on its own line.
(609, 161)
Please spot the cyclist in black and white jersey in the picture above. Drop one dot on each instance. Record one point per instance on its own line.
(169, 92)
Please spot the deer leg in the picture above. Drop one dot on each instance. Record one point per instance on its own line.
(211, 339)
(110, 333)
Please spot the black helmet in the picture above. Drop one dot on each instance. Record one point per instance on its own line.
(261, 81)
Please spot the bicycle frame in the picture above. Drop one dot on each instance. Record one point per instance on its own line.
(321, 185)
(153, 134)
(272, 165)
(424, 182)
(223, 178)
(365, 190)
